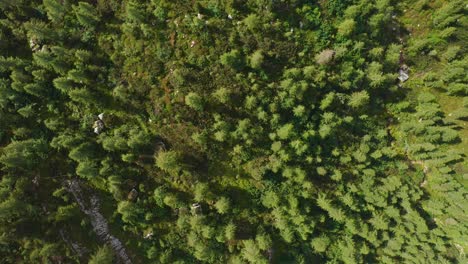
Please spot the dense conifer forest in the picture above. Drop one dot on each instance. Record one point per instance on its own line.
(233, 131)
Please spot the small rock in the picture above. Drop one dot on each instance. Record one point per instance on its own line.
(132, 195)
(98, 126)
(196, 208)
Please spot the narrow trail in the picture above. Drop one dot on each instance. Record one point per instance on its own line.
(403, 69)
(99, 223)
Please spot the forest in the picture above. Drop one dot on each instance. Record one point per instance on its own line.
(233, 131)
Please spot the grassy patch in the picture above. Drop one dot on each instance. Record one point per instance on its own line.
(417, 18)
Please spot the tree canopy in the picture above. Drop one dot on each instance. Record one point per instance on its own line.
(233, 131)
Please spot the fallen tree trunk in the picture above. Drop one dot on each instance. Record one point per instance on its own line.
(99, 223)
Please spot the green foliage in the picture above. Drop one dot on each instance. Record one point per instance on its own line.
(285, 131)
(223, 205)
(358, 99)
(87, 170)
(130, 212)
(251, 252)
(194, 101)
(222, 95)
(234, 132)
(83, 152)
(451, 53)
(103, 255)
(39, 31)
(256, 59)
(232, 59)
(169, 161)
(230, 231)
(320, 244)
(270, 199)
(55, 10)
(25, 155)
(12, 208)
(447, 14)
(134, 13)
(252, 21)
(86, 14)
(347, 27)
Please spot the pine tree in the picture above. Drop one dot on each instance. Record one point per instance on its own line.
(194, 101)
(103, 255)
(135, 13)
(202, 192)
(252, 21)
(263, 241)
(169, 161)
(222, 95)
(56, 10)
(375, 74)
(270, 199)
(130, 212)
(40, 31)
(358, 99)
(83, 96)
(13, 208)
(346, 27)
(230, 231)
(86, 14)
(49, 250)
(25, 155)
(252, 253)
(223, 205)
(87, 170)
(256, 59)
(232, 59)
(286, 131)
(84, 152)
(44, 59)
(36, 89)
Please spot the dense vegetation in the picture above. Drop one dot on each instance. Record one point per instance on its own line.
(233, 131)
